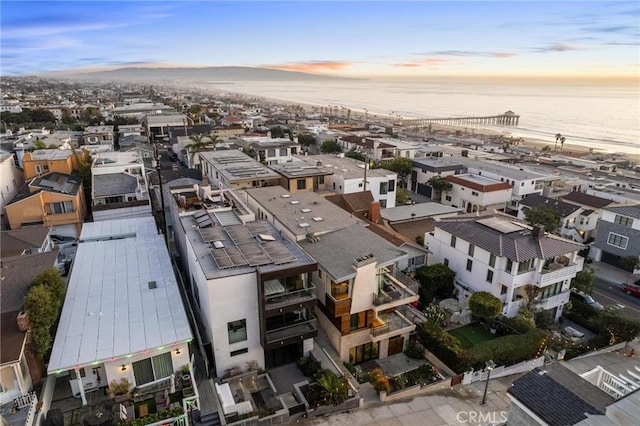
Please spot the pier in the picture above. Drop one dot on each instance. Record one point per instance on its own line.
(509, 118)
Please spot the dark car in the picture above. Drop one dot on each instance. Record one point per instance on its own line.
(631, 289)
(586, 298)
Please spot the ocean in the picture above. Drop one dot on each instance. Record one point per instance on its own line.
(599, 116)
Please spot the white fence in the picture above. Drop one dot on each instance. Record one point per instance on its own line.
(502, 371)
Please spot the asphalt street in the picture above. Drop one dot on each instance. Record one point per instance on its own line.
(611, 294)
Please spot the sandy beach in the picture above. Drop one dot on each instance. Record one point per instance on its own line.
(568, 149)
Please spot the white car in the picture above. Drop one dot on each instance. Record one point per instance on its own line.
(573, 333)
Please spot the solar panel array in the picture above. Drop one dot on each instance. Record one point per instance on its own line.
(249, 249)
(203, 219)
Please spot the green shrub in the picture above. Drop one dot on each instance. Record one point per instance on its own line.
(379, 381)
(509, 350)
(485, 305)
(414, 350)
(308, 366)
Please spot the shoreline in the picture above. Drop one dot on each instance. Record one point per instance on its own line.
(569, 149)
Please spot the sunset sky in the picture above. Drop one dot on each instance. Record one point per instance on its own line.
(361, 38)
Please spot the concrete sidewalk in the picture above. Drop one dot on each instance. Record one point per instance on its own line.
(611, 274)
(447, 406)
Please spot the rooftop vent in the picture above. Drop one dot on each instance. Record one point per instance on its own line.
(218, 244)
(294, 202)
(286, 196)
(152, 285)
(303, 225)
(305, 210)
(318, 219)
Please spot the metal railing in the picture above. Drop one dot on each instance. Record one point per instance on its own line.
(291, 296)
(393, 321)
(292, 330)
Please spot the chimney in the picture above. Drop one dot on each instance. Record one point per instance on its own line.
(23, 321)
(538, 231)
(205, 180)
(374, 212)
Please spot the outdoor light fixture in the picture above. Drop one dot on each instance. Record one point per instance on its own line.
(490, 365)
(177, 351)
(123, 368)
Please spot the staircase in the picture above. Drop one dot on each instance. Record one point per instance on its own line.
(208, 413)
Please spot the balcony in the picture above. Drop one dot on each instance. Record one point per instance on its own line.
(51, 219)
(391, 324)
(337, 307)
(553, 301)
(298, 330)
(277, 300)
(555, 272)
(395, 293)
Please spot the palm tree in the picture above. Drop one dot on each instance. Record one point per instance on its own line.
(334, 388)
(558, 136)
(562, 139)
(196, 146)
(214, 140)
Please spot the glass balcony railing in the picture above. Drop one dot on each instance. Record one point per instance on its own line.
(298, 328)
(276, 300)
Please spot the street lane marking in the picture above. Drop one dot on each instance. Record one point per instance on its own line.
(616, 301)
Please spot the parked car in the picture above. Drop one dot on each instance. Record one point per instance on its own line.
(631, 289)
(586, 298)
(572, 332)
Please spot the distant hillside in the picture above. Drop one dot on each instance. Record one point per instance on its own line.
(209, 74)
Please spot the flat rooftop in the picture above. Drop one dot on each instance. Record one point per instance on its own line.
(515, 173)
(122, 296)
(302, 212)
(224, 246)
(236, 166)
(300, 169)
(437, 164)
(338, 250)
(478, 179)
(344, 166)
(51, 154)
(418, 211)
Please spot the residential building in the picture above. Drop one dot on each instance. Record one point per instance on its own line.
(235, 170)
(43, 161)
(123, 316)
(522, 180)
(24, 254)
(349, 176)
(362, 296)
(249, 284)
(98, 135)
(618, 234)
(575, 221)
(11, 179)
(428, 167)
(503, 256)
(138, 110)
(270, 151)
(303, 176)
(556, 396)
(157, 125)
(54, 199)
(476, 193)
(119, 186)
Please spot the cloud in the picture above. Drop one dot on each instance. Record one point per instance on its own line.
(557, 47)
(312, 66)
(470, 53)
(433, 63)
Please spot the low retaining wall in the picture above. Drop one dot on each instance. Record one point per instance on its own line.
(415, 390)
(323, 410)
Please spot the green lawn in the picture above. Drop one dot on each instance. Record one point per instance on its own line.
(471, 334)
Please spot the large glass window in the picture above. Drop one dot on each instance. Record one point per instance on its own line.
(617, 240)
(623, 220)
(151, 369)
(492, 260)
(301, 183)
(525, 266)
(59, 208)
(392, 186)
(384, 187)
(237, 331)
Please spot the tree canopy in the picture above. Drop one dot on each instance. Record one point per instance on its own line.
(584, 281)
(436, 281)
(43, 304)
(306, 140)
(439, 183)
(543, 215)
(329, 147)
(352, 153)
(485, 305)
(401, 166)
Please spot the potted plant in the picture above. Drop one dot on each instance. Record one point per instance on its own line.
(120, 390)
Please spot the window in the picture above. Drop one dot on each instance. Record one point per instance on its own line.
(383, 204)
(392, 185)
(239, 352)
(237, 331)
(492, 260)
(474, 193)
(360, 185)
(283, 152)
(525, 266)
(271, 152)
(42, 168)
(469, 265)
(321, 180)
(447, 197)
(617, 240)
(623, 220)
(471, 249)
(446, 262)
(151, 369)
(503, 289)
(354, 321)
(302, 184)
(453, 241)
(59, 208)
(509, 267)
(384, 187)
(490, 276)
